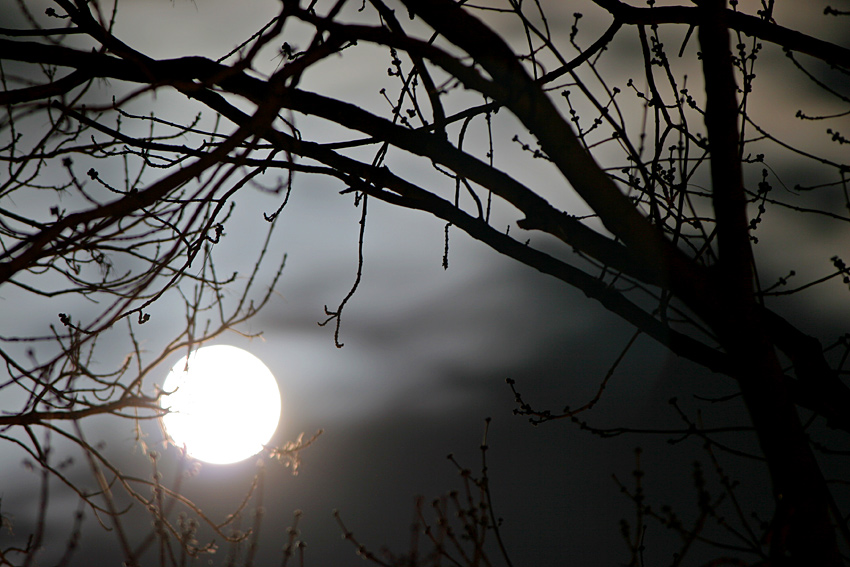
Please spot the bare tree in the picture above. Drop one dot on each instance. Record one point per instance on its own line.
(675, 169)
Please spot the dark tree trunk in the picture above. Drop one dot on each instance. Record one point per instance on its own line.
(802, 532)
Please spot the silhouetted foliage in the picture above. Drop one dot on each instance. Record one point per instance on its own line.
(663, 192)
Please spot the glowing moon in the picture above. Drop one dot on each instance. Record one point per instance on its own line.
(223, 407)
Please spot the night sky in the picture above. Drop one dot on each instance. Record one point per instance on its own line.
(426, 357)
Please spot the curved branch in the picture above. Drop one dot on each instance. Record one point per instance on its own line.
(519, 92)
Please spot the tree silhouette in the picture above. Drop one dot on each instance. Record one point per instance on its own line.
(674, 172)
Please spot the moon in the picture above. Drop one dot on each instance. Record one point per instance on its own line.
(223, 407)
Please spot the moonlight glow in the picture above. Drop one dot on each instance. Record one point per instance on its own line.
(224, 407)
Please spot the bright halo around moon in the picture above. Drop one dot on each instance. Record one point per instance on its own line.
(223, 407)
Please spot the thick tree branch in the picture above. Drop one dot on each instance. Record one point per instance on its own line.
(728, 196)
(744, 23)
(56, 88)
(532, 106)
(403, 193)
(182, 72)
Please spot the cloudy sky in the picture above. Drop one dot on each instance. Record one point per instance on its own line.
(426, 356)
